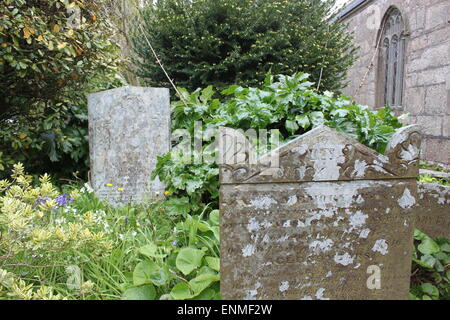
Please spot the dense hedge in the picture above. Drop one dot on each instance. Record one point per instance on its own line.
(221, 42)
(51, 53)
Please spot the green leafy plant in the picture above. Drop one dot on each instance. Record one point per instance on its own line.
(431, 268)
(52, 52)
(221, 42)
(184, 266)
(289, 104)
(427, 178)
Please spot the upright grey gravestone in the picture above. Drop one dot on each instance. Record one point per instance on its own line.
(128, 128)
(334, 221)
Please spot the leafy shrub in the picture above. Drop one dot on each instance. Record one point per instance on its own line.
(71, 245)
(221, 42)
(427, 178)
(289, 104)
(186, 264)
(431, 268)
(49, 60)
(39, 231)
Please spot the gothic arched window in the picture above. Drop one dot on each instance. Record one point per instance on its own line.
(392, 52)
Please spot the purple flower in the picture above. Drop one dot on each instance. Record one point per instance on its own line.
(63, 200)
(41, 200)
(175, 243)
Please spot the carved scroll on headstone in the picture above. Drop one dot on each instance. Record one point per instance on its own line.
(128, 128)
(333, 221)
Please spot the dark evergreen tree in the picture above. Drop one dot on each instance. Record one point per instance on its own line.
(221, 42)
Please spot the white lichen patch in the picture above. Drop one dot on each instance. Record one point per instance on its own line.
(364, 233)
(266, 224)
(326, 158)
(358, 219)
(329, 274)
(251, 294)
(381, 246)
(287, 224)
(282, 239)
(292, 200)
(304, 285)
(318, 246)
(332, 195)
(410, 154)
(248, 250)
(252, 225)
(300, 150)
(284, 286)
(360, 199)
(319, 294)
(407, 200)
(301, 172)
(360, 168)
(343, 259)
(263, 202)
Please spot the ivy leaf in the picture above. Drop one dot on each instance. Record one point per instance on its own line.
(428, 261)
(303, 121)
(291, 126)
(317, 118)
(428, 246)
(430, 290)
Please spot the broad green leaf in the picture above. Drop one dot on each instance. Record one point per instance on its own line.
(430, 290)
(206, 295)
(203, 281)
(291, 126)
(445, 247)
(303, 121)
(143, 272)
(214, 217)
(213, 263)
(146, 292)
(151, 250)
(428, 260)
(189, 259)
(181, 291)
(317, 118)
(428, 246)
(419, 235)
(160, 277)
(177, 206)
(216, 232)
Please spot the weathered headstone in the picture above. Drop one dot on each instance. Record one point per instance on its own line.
(334, 221)
(433, 218)
(128, 128)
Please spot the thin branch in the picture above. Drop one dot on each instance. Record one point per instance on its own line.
(157, 58)
(371, 65)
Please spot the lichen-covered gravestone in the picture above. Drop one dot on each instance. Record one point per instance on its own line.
(334, 221)
(128, 128)
(433, 218)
